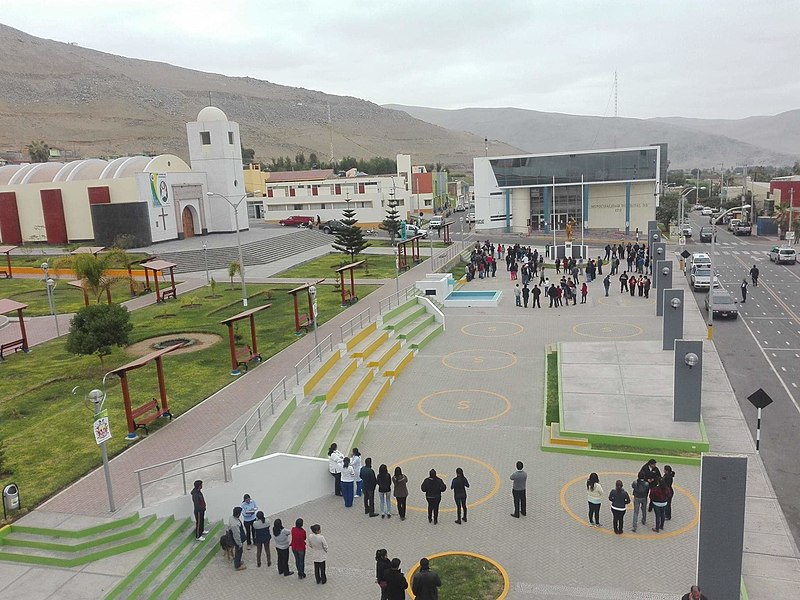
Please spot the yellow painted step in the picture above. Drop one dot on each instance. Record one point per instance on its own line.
(555, 438)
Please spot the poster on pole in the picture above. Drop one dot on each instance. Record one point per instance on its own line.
(101, 427)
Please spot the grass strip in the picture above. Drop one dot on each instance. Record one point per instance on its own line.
(467, 577)
(551, 375)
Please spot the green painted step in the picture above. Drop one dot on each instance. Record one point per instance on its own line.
(66, 533)
(428, 338)
(415, 313)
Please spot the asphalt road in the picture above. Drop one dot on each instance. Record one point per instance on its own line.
(761, 349)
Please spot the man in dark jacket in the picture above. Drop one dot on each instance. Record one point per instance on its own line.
(433, 487)
(396, 583)
(370, 483)
(199, 503)
(426, 583)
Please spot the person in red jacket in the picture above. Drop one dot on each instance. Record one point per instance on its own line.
(584, 292)
(659, 494)
(298, 546)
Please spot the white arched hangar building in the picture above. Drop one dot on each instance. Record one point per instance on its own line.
(603, 189)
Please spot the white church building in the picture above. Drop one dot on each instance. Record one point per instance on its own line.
(153, 199)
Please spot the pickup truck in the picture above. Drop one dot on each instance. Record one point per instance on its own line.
(297, 221)
(743, 228)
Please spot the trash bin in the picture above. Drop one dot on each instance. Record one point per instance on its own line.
(10, 497)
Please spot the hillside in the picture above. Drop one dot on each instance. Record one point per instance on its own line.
(99, 104)
(553, 132)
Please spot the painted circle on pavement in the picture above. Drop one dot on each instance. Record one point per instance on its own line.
(494, 563)
(479, 360)
(607, 330)
(417, 472)
(624, 301)
(492, 329)
(476, 405)
(626, 477)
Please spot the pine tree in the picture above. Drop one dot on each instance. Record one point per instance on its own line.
(391, 224)
(350, 239)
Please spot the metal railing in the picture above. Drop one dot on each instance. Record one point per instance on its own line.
(315, 355)
(185, 469)
(450, 253)
(357, 322)
(255, 422)
(396, 299)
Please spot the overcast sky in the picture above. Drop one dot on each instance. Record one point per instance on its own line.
(692, 58)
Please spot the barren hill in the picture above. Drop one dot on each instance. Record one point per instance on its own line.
(101, 104)
(535, 131)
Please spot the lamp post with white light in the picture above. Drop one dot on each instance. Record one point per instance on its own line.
(235, 205)
(50, 284)
(714, 221)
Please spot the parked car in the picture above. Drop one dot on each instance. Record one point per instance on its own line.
(700, 278)
(783, 255)
(333, 226)
(707, 210)
(412, 230)
(686, 230)
(435, 223)
(724, 305)
(706, 232)
(297, 221)
(460, 208)
(700, 258)
(732, 224)
(470, 217)
(743, 228)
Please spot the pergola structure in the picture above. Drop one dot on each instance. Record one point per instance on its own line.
(444, 230)
(21, 343)
(7, 273)
(161, 410)
(94, 250)
(159, 266)
(348, 296)
(252, 349)
(79, 284)
(402, 251)
(308, 318)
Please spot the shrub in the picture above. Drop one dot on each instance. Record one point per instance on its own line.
(96, 328)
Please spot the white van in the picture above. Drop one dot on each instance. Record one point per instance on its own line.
(700, 258)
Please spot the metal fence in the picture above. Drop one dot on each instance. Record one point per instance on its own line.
(315, 355)
(255, 422)
(396, 299)
(186, 465)
(360, 321)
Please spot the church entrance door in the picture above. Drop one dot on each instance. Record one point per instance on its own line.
(188, 222)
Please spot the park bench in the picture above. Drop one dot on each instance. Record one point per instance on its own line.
(16, 345)
(5, 274)
(245, 356)
(170, 293)
(142, 415)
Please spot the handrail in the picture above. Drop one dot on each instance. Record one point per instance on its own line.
(183, 470)
(396, 299)
(308, 359)
(350, 323)
(257, 414)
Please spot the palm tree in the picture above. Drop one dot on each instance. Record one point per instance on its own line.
(93, 271)
(39, 151)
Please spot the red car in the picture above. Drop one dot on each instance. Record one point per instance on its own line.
(297, 221)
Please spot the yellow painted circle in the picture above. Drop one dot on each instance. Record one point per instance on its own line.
(479, 501)
(506, 402)
(627, 304)
(492, 327)
(663, 534)
(495, 564)
(479, 360)
(635, 328)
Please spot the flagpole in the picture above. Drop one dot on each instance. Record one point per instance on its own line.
(583, 216)
(554, 222)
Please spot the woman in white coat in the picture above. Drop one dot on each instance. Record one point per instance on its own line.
(335, 460)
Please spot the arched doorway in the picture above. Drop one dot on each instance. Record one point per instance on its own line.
(188, 222)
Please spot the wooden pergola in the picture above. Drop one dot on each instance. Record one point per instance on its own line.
(7, 273)
(402, 251)
(446, 235)
(161, 410)
(252, 349)
(308, 318)
(348, 296)
(21, 343)
(79, 284)
(159, 266)
(93, 250)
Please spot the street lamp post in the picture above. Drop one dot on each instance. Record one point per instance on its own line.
(714, 221)
(235, 206)
(97, 399)
(50, 284)
(205, 256)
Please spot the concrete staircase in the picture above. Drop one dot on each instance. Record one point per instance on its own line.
(254, 253)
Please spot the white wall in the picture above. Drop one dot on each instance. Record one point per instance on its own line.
(277, 483)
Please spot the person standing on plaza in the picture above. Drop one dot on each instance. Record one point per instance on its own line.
(608, 251)
(694, 594)
(396, 584)
(594, 493)
(519, 479)
(347, 482)
(607, 283)
(283, 539)
(249, 510)
(382, 567)
(400, 482)
(668, 478)
(298, 546)
(426, 583)
(526, 293)
(433, 487)
(647, 284)
(641, 491)
(335, 460)
(237, 532)
(199, 505)
(632, 281)
(754, 272)
(619, 499)
(623, 282)
(385, 491)
(659, 494)
(584, 292)
(355, 462)
(261, 537)
(744, 290)
(318, 553)
(459, 486)
(537, 292)
(517, 295)
(370, 483)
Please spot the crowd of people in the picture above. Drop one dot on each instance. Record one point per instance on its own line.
(650, 484)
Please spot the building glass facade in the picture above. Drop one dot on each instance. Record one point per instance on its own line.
(594, 167)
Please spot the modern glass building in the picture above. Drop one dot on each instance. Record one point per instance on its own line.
(603, 189)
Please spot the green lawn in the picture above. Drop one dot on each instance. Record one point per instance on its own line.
(35, 260)
(467, 578)
(377, 266)
(68, 299)
(42, 424)
(552, 388)
(381, 243)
